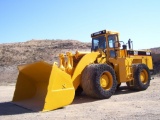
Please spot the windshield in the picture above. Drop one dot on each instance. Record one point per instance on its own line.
(98, 43)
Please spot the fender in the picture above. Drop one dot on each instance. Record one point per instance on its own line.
(86, 60)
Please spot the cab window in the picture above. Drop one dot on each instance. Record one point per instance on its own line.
(111, 40)
(99, 43)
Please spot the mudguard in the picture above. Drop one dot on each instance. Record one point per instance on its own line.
(86, 60)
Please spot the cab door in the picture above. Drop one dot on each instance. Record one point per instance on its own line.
(111, 45)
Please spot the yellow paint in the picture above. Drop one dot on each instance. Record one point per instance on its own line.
(86, 60)
(143, 59)
(106, 81)
(144, 76)
(42, 87)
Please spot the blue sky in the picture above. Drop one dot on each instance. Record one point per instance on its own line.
(22, 20)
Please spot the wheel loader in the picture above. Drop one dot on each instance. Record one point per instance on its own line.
(43, 87)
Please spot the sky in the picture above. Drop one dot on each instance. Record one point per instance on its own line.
(23, 20)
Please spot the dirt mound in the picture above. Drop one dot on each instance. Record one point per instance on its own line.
(14, 54)
(34, 50)
(156, 59)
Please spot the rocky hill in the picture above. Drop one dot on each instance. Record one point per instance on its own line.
(34, 50)
(156, 59)
(14, 54)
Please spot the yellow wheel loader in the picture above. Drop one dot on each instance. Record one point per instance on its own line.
(43, 87)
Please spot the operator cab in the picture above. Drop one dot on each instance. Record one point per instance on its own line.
(106, 41)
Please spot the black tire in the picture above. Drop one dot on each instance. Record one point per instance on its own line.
(93, 77)
(79, 91)
(142, 78)
(118, 85)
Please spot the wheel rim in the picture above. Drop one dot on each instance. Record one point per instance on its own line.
(106, 81)
(144, 76)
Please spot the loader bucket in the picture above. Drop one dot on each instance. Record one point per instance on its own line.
(43, 87)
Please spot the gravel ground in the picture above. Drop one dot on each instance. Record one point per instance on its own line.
(124, 105)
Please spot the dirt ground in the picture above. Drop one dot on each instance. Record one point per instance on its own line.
(124, 105)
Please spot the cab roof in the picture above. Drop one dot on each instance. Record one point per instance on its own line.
(103, 32)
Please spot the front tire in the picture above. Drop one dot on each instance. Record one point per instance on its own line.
(99, 81)
(79, 91)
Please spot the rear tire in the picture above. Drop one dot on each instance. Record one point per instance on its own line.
(99, 81)
(142, 78)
